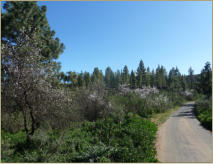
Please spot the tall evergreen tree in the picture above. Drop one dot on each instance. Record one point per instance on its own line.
(152, 79)
(125, 75)
(73, 78)
(183, 82)
(81, 79)
(206, 79)
(148, 77)
(141, 74)
(161, 77)
(191, 77)
(133, 83)
(87, 78)
(139, 78)
(109, 77)
(32, 18)
(97, 75)
(118, 79)
(174, 79)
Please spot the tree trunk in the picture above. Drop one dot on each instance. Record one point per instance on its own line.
(33, 122)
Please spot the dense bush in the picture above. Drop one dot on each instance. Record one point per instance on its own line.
(203, 110)
(144, 107)
(131, 140)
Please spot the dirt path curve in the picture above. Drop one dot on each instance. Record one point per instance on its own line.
(182, 139)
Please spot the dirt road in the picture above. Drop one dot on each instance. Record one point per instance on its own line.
(182, 139)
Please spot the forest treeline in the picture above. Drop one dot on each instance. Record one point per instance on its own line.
(141, 78)
(52, 116)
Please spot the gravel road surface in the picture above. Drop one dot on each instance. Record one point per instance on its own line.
(182, 139)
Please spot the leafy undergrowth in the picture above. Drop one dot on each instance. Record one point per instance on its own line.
(203, 111)
(105, 140)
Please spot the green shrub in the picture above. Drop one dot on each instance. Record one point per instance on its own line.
(9, 142)
(145, 107)
(105, 140)
(203, 111)
(131, 141)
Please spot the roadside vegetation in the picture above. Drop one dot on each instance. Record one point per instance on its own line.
(203, 111)
(52, 116)
(203, 106)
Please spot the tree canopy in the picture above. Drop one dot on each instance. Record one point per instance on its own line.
(32, 18)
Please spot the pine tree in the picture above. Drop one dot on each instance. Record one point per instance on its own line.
(160, 77)
(141, 75)
(152, 80)
(31, 18)
(206, 79)
(148, 77)
(109, 77)
(125, 75)
(73, 78)
(118, 79)
(87, 79)
(191, 77)
(174, 79)
(139, 78)
(133, 83)
(97, 75)
(81, 79)
(183, 82)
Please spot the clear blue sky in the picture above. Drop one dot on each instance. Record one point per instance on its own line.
(101, 34)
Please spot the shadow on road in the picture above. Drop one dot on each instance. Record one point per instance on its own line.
(188, 105)
(187, 113)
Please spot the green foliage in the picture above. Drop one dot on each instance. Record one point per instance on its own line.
(148, 77)
(119, 131)
(109, 78)
(80, 80)
(118, 79)
(72, 78)
(174, 80)
(160, 77)
(97, 75)
(191, 78)
(130, 140)
(203, 110)
(31, 17)
(87, 79)
(145, 107)
(141, 74)
(133, 83)
(152, 79)
(131, 103)
(8, 143)
(175, 98)
(206, 79)
(125, 75)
